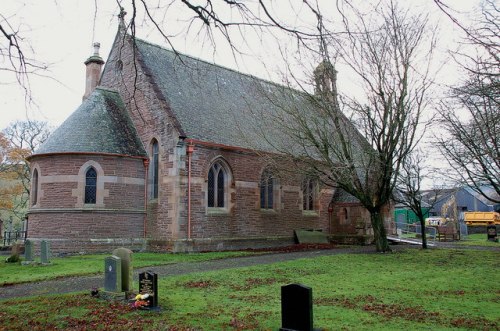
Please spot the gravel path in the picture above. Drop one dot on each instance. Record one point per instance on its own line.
(86, 283)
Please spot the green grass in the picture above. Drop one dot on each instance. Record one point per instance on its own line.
(435, 289)
(478, 239)
(12, 273)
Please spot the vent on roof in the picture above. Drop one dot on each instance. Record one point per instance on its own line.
(93, 71)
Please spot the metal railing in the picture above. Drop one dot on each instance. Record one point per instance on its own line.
(413, 231)
(13, 236)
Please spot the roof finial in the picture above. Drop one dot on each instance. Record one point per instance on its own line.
(121, 16)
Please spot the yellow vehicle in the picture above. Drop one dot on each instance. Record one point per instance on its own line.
(482, 218)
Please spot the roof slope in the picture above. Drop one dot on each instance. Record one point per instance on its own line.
(100, 125)
(216, 104)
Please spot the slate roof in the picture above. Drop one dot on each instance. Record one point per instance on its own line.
(216, 104)
(342, 196)
(100, 125)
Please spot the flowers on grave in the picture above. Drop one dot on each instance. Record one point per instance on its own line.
(140, 300)
(94, 292)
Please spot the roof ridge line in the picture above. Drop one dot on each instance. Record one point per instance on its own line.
(177, 53)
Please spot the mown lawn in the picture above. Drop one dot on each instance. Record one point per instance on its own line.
(12, 273)
(413, 290)
(478, 239)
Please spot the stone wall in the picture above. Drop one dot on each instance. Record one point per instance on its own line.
(167, 215)
(61, 216)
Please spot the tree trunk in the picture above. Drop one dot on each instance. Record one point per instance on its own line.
(422, 229)
(379, 232)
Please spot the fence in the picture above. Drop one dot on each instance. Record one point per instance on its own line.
(406, 230)
(10, 237)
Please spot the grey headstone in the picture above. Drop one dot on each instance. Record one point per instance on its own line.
(112, 274)
(45, 251)
(28, 251)
(296, 308)
(148, 283)
(125, 255)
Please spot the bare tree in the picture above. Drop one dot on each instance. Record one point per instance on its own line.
(19, 140)
(364, 163)
(14, 47)
(410, 192)
(470, 116)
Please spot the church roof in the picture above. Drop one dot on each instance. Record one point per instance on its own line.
(100, 125)
(216, 104)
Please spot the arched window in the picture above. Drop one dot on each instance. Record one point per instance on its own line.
(153, 191)
(217, 185)
(266, 190)
(34, 188)
(346, 216)
(90, 186)
(308, 194)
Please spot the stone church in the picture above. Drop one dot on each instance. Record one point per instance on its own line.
(161, 155)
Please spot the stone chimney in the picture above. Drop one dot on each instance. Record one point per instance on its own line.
(93, 72)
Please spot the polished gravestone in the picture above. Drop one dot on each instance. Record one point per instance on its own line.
(296, 308)
(148, 284)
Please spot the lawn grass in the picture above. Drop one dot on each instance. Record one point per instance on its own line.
(478, 239)
(436, 289)
(78, 265)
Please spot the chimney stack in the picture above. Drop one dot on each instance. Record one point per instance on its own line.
(93, 72)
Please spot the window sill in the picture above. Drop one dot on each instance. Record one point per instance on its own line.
(310, 213)
(268, 211)
(217, 211)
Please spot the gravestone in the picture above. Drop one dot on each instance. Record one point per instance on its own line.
(148, 283)
(45, 252)
(125, 255)
(113, 274)
(28, 252)
(491, 230)
(17, 249)
(296, 308)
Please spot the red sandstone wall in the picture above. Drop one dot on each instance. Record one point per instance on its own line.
(167, 215)
(150, 117)
(58, 217)
(245, 218)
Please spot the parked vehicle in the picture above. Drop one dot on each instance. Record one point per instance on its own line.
(482, 218)
(435, 221)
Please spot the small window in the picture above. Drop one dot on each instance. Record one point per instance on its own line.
(153, 193)
(90, 186)
(308, 194)
(266, 190)
(34, 188)
(216, 186)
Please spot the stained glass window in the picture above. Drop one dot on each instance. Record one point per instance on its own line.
(90, 186)
(266, 190)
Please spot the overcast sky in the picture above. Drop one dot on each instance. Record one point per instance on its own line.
(61, 34)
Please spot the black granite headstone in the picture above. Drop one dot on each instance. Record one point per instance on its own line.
(491, 230)
(296, 308)
(148, 283)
